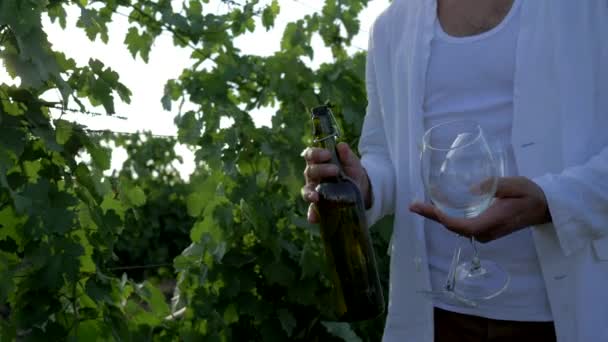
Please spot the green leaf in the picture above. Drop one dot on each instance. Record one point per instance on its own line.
(296, 39)
(304, 291)
(269, 14)
(196, 202)
(301, 222)
(92, 181)
(101, 156)
(279, 273)
(28, 54)
(89, 330)
(209, 224)
(12, 138)
(270, 331)
(152, 295)
(166, 103)
(139, 316)
(51, 274)
(57, 12)
(99, 84)
(7, 281)
(206, 226)
(310, 262)
(231, 314)
(87, 265)
(10, 224)
(12, 108)
(342, 330)
(59, 220)
(99, 290)
(189, 128)
(136, 196)
(16, 66)
(288, 322)
(93, 23)
(190, 257)
(110, 203)
(64, 131)
(118, 323)
(32, 168)
(139, 43)
(172, 92)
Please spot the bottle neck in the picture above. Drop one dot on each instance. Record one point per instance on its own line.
(330, 145)
(325, 137)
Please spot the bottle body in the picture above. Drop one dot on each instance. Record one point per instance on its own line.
(345, 235)
(349, 252)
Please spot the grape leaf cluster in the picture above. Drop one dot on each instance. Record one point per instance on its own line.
(245, 264)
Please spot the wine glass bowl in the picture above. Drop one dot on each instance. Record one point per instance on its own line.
(458, 169)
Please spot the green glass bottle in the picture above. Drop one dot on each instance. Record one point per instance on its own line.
(348, 248)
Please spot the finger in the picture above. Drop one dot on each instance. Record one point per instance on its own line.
(425, 210)
(315, 155)
(309, 194)
(347, 156)
(313, 214)
(496, 221)
(503, 217)
(457, 225)
(313, 173)
(489, 225)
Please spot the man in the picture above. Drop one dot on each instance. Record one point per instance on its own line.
(535, 74)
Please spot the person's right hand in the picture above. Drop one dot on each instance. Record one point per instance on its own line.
(317, 169)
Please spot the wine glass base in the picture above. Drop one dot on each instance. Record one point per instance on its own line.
(449, 297)
(480, 282)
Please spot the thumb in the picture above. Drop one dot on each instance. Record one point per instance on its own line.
(347, 156)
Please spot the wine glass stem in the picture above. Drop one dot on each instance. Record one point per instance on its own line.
(475, 263)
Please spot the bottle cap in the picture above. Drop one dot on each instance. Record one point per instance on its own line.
(321, 111)
(324, 111)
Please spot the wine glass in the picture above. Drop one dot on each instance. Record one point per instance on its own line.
(460, 175)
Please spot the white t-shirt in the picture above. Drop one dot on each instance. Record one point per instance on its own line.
(472, 77)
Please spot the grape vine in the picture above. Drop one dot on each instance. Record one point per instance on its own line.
(85, 255)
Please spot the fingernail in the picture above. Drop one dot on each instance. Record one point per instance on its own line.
(303, 152)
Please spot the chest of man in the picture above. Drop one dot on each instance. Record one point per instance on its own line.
(461, 18)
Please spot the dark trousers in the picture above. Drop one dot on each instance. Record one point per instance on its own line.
(456, 327)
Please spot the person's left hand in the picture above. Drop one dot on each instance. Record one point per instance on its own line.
(519, 203)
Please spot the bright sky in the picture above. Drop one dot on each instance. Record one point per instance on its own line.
(146, 81)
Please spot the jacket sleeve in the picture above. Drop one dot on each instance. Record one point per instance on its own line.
(373, 147)
(578, 203)
(577, 197)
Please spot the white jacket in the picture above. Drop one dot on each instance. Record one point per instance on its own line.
(560, 135)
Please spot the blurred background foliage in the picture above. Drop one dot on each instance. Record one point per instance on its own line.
(87, 254)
